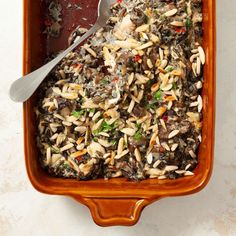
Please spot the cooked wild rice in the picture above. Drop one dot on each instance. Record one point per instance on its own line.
(128, 102)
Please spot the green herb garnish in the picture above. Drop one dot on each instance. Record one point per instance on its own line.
(77, 114)
(151, 106)
(188, 22)
(138, 134)
(114, 142)
(55, 150)
(95, 139)
(105, 81)
(91, 110)
(96, 132)
(169, 68)
(174, 86)
(158, 95)
(105, 127)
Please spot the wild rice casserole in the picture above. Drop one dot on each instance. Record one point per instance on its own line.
(127, 103)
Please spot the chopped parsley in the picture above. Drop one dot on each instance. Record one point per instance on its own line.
(91, 110)
(174, 86)
(77, 114)
(114, 142)
(188, 22)
(138, 134)
(158, 95)
(105, 127)
(55, 150)
(151, 106)
(169, 68)
(105, 81)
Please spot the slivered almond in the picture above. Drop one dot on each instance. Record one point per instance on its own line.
(104, 134)
(105, 143)
(131, 106)
(174, 95)
(149, 158)
(161, 54)
(199, 100)
(163, 124)
(155, 87)
(154, 38)
(156, 164)
(66, 123)
(193, 104)
(81, 129)
(97, 125)
(164, 63)
(56, 90)
(66, 147)
(96, 116)
(145, 45)
(160, 111)
(165, 145)
(171, 168)
(193, 57)
(152, 141)
(129, 131)
(122, 154)
(142, 28)
(194, 68)
(173, 133)
(169, 98)
(167, 87)
(177, 23)
(199, 85)
(141, 79)
(174, 147)
(54, 136)
(130, 78)
(79, 153)
(202, 55)
(192, 154)
(137, 155)
(120, 146)
(170, 104)
(48, 156)
(158, 141)
(80, 140)
(127, 44)
(198, 69)
(171, 12)
(89, 50)
(70, 96)
(176, 73)
(140, 95)
(188, 173)
(149, 63)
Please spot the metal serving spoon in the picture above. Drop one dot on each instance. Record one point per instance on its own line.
(23, 88)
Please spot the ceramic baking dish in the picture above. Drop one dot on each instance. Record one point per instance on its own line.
(117, 201)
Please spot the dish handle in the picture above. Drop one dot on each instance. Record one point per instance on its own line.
(114, 211)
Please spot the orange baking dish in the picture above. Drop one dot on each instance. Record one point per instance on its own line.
(116, 201)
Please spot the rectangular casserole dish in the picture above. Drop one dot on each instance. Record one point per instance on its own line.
(117, 201)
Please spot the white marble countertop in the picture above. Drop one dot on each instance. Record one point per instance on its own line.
(24, 211)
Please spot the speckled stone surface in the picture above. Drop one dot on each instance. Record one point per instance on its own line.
(24, 211)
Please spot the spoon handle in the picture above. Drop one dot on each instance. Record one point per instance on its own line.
(23, 88)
